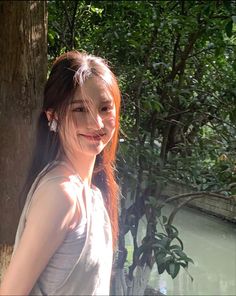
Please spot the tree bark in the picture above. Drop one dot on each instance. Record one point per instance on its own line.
(140, 280)
(23, 64)
(123, 286)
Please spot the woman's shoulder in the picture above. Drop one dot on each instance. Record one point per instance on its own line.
(55, 188)
(55, 170)
(52, 193)
(54, 175)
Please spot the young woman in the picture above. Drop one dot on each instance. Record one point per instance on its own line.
(68, 227)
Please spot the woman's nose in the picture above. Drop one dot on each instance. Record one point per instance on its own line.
(95, 121)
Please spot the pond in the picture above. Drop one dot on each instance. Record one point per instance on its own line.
(211, 243)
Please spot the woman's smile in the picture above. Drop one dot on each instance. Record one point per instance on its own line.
(93, 137)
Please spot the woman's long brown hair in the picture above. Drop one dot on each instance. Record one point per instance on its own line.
(69, 72)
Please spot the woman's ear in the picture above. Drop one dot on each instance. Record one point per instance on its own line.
(51, 115)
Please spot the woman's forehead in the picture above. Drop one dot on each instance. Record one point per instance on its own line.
(94, 90)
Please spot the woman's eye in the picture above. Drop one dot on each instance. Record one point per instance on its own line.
(106, 108)
(80, 109)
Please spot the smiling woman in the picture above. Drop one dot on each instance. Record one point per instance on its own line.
(93, 119)
(69, 220)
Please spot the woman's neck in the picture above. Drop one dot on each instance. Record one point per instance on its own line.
(83, 166)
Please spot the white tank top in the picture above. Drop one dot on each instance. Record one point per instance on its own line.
(82, 263)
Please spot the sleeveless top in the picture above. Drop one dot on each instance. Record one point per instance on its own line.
(83, 261)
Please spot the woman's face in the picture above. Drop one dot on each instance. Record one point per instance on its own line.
(93, 118)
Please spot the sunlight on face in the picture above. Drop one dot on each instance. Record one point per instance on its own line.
(91, 120)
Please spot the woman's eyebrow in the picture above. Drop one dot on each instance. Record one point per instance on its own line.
(103, 100)
(106, 100)
(79, 101)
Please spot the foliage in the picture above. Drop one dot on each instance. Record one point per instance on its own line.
(176, 63)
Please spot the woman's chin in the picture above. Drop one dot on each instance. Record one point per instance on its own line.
(93, 149)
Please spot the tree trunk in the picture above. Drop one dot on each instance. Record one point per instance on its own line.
(140, 280)
(23, 64)
(122, 286)
(119, 283)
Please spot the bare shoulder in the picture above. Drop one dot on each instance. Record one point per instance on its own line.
(55, 201)
(56, 184)
(55, 174)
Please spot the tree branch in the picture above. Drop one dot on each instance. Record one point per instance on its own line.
(175, 51)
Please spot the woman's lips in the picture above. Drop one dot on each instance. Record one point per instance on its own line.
(93, 137)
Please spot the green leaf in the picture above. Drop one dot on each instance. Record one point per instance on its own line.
(134, 43)
(96, 10)
(161, 268)
(164, 260)
(164, 219)
(164, 242)
(181, 254)
(157, 106)
(175, 247)
(159, 246)
(180, 241)
(51, 38)
(189, 260)
(173, 269)
(229, 28)
(147, 105)
(183, 264)
(160, 254)
(172, 231)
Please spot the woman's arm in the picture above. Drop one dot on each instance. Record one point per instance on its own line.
(51, 215)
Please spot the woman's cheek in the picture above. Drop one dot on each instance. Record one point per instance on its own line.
(111, 122)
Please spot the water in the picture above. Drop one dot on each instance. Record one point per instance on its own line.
(211, 243)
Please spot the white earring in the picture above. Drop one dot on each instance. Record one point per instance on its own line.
(53, 125)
